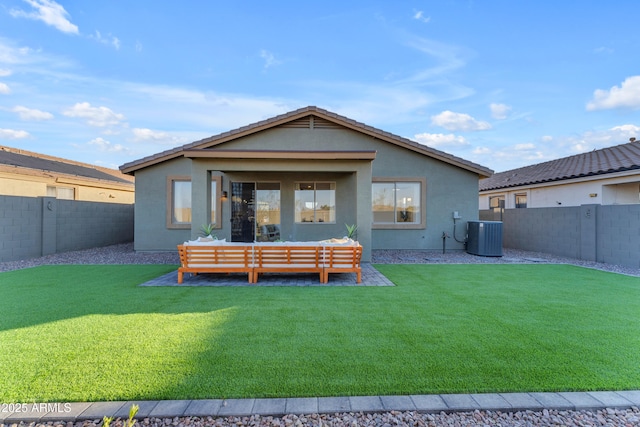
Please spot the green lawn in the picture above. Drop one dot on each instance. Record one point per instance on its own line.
(86, 333)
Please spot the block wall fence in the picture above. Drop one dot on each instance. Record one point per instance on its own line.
(35, 226)
(608, 234)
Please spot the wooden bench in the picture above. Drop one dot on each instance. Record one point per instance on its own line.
(287, 259)
(255, 259)
(215, 259)
(342, 259)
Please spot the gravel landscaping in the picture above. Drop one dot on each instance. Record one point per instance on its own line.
(124, 254)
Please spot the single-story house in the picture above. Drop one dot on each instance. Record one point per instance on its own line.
(28, 174)
(609, 176)
(304, 176)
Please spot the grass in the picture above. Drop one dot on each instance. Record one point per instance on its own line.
(88, 333)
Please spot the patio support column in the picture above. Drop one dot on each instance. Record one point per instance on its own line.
(200, 196)
(364, 213)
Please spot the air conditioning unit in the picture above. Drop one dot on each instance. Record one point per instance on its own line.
(484, 238)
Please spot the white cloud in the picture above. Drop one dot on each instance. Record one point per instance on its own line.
(627, 95)
(524, 147)
(440, 139)
(49, 12)
(269, 59)
(13, 134)
(105, 146)
(419, 15)
(5, 72)
(143, 134)
(500, 111)
(95, 116)
(627, 130)
(481, 150)
(108, 40)
(31, 114)
(458, 121)
(4, 89)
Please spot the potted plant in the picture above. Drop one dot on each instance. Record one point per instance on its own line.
(351, 230)
(207, 230)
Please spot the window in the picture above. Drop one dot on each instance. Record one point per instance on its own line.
(63, 193)
(179, 202)
(315, 202)
(398, 203)
(496, 203)
(268, 211)
(215, 201)
(521, 200)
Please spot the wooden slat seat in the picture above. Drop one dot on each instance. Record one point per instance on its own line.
(342, 259)
(287, 259)
(215, 259)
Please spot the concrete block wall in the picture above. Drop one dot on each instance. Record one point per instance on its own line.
(608, 234)
(20, 228)
(83, 225)
(618, 234)
(34, 226)
(550, 230)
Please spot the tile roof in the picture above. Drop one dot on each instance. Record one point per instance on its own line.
(25, 159)
(296, 114)
(598, 162)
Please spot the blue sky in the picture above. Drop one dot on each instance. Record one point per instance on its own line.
(501, 83)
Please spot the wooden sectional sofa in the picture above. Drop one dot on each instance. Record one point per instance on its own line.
(322, 258)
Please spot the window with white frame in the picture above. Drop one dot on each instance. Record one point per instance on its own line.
(62, 193)
(496, 203)
(315, 202)
(521, 200)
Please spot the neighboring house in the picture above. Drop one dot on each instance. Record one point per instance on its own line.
(303, 176)
(610, 176)
(24, 173)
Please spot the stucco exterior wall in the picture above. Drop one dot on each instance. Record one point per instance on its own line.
(36, 186)
(151, 232)
(448, 189)
(619, 188)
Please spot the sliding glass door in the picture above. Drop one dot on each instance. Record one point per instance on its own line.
(255, 211)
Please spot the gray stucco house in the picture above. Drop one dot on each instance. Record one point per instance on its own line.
(302, 176)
